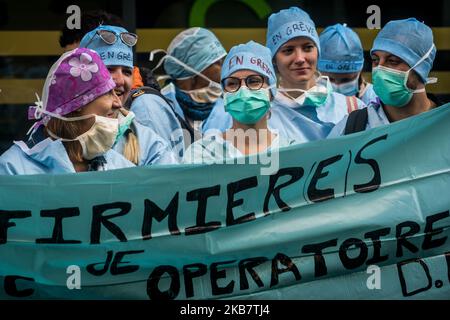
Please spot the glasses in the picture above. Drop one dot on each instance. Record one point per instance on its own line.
(253, 82)
(109, 37)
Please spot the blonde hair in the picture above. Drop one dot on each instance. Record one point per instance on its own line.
(71, 130)
(131, 149)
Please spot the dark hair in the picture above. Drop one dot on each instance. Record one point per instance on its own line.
(148, 78)
(89, 21)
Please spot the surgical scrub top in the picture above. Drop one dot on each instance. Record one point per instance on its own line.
(152, 148)
(50, 157)
(302, 123)
(368, 95)
(213, 148)
(376, 117)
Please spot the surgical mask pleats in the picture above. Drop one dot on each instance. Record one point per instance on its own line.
(247, 106)
(98, 139)
(350, 88)
(391, 85)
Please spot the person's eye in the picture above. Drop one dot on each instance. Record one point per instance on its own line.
(393, 62)
(308, 48)
(231, 84)
(287, 50)
(254, 80)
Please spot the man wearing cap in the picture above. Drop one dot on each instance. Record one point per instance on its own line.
(342, 60)
(139, 144)
(402, 57)
(192, 63)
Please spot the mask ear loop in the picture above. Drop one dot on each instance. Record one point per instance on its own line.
(54, 136)
(429, 80)
(39, 107)
(40, 110)
(317, 76)
(51, 134)
(305, 91)
(286, 91)
(152, 57)
(181, 63)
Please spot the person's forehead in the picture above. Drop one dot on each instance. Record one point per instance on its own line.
(116, 68)
(298, 41)
(385, 54)
(244, 73)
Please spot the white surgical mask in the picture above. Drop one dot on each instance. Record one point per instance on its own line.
(349, 89)
(97, 140)
(208, 94)
(315, 96)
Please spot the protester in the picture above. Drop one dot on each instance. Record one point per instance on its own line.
(342, 60)
(402, 58)
(249, 83)
(139, 144)
(76, 127)
(192, 62)
(70, 38)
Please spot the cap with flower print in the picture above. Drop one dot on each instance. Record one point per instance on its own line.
(76, 79)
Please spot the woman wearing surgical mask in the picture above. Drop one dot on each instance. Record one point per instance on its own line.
(76, 128)
(249, 84)
(402, 57)
(342, 60)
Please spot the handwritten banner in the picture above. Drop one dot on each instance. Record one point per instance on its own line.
(335, 216)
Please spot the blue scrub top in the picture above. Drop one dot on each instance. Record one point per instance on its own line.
(375, 118)
(301, 123)
(153, 149)
(153, 112)
(368, 95)
(49, 157)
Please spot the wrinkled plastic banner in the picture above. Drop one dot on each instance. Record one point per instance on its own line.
(364, 216)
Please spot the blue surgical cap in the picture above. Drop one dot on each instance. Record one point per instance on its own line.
(342, 51)
(116, 54)
(250, 56)
(288, 24)
(197, 47)
(409, 40)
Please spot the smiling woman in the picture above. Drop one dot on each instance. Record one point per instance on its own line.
(296, 62)
(76, 125)
(305, 98)
(71, 131)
